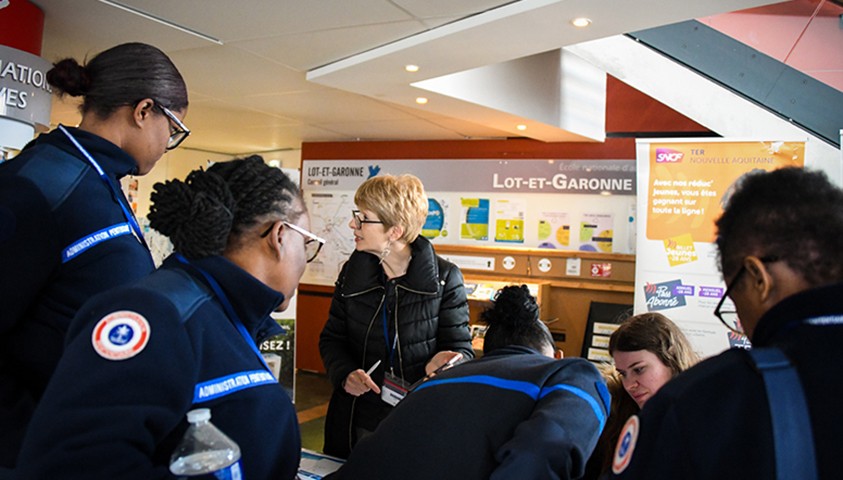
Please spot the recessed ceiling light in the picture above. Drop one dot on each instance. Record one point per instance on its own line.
(411, 68)
(521, 127)
(421, 100)
(581, 22)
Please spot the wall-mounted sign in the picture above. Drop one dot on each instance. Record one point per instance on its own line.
(508, 263)
(482, 202)
(25, 97)
(466, 262)
(25, 94)
(573, 266)
(601, 270)
(591, 177)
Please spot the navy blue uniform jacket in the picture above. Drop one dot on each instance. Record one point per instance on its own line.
(50, 198)
(713, 421)
(512, 414)
(103, 418)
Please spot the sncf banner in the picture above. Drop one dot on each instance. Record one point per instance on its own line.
(682, 185)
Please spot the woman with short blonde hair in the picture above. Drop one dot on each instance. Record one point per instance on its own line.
(397, 201)
(399, 311)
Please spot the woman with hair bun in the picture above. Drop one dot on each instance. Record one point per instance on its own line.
(139, 357)
(66, 229)
(517, 412)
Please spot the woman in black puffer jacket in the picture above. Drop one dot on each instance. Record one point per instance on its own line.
(395, 302)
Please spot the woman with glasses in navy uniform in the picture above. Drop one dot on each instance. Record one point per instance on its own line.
(399, 311)
(139, 357)
(66, 229)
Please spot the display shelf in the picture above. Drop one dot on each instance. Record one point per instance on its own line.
(564, 282)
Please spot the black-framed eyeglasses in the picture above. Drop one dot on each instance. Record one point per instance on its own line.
(178, 130)
(312, 243)
(360, 219)
(729, 317)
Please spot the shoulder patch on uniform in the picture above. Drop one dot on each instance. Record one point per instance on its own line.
(626, 445)
(56, 173)
(120, 335)
(185, 294)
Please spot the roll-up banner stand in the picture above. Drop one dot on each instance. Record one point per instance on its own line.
(682, 186)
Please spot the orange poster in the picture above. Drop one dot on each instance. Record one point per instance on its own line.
(689, 183)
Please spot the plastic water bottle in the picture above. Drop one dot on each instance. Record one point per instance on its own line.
(205, 450)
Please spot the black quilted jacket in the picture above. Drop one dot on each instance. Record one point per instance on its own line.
(428, 308)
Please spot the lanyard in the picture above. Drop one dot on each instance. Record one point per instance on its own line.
(390, 351)
(793, 441)
(226, 305)
(130, 217)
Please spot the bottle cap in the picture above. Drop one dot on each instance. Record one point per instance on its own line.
(198, 415)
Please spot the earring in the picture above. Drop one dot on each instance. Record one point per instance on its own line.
(385, 252)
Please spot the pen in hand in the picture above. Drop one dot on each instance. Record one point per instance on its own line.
(450, 363)
(373, 367)
(359, 382)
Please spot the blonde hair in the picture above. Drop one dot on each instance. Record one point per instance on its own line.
(397, 201)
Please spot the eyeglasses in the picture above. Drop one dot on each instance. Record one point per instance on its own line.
(729, 318)
(312, 244)
(360, 219)
(178, 131)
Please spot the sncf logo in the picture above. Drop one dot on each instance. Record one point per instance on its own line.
(667, 155)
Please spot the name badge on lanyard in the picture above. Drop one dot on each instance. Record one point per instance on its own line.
(394, 389)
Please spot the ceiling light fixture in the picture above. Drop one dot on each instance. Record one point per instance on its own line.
(162, 21)
(521, 127)
(411, 68)
(421, 100)
(581, 22)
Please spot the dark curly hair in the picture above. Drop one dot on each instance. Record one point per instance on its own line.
(212, 209)
(121, 75)
(514, 320)
(792, 214)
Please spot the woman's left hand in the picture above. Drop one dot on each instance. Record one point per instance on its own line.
(440, 359)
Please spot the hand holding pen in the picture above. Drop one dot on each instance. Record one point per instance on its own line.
(359, 382)
(444, 358)
(450, 363)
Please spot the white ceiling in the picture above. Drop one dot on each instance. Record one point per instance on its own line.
(291, 71)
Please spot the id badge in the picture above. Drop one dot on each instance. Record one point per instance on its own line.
(394, 389)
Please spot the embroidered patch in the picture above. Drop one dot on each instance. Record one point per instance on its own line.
(625, 446)
(120, 335)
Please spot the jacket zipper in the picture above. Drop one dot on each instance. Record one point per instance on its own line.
(362, 362)
(395, 321)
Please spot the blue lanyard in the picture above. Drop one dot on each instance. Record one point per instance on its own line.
(130, 217)
(229, 310)
(793, 440)
(390, 350)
